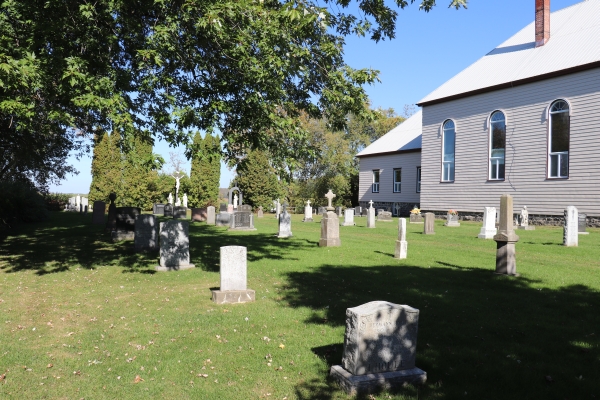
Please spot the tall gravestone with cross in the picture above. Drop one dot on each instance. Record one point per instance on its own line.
(307, 212)
(371, 215)
(330, 225)
(506, 263)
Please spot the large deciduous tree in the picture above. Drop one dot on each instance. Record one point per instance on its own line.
(70, 69)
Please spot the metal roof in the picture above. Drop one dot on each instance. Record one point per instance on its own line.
(404, 137)
(574, 42)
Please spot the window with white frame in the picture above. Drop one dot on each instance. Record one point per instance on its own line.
(497, 145)
(397, 180)
(418, 179)
(375, 185)
(558, 140)
(448, 144)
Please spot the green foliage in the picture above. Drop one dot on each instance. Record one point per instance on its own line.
(56, 201)
(107, 165)
(258, 181)
(70, 70)
(206, 171)
(20, 202)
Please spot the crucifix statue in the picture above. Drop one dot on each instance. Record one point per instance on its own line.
(330, 197)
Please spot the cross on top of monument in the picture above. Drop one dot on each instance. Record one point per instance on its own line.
(308, 202)
(330, 197)
(370, 203)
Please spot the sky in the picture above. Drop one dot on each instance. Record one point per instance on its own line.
(429, 49)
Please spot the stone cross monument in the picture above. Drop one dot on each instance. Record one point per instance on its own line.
(330, 196)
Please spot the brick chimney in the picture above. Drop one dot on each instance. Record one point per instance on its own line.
(542, 22)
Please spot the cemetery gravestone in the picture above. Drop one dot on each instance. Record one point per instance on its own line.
(125, 223)
(260, 212)
(174, 246)
(380, 348)
(452, 220)
(307, 212)
(277, 209)
(416, 218)
(429, 224)
(338, 211)
(488, 230)
(348, 217)
(582, 225)
(210, 215)
(285, 224)
(384, 216)
(98, 212)
(506, 263)
(571, 227)
(322, 210)
(358, 211)
(401, 243)
(199, 214)
(111, 223)
(364, 212)
(223, 207)
(371, 215)
(158, 209)
(168, 210)
(233, 273)
(146, 233)
(179, 213)
(243, 219)
(84, 204)
(223, 219)
(330, 230)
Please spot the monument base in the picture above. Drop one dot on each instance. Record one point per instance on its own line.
(401, 249)
(233, 296)
(527, 228)
(348, 224)
(334, 242)
(487, 234)
(283, 235)
(452, 224)
(118, 236)
(583, 233)
(371, 383)
(175, 268)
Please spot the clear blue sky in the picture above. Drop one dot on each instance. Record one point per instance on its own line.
(429, 49)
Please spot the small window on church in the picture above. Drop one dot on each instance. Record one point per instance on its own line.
(375, 185)
(497, 146)
(397, 180)
(448, 144)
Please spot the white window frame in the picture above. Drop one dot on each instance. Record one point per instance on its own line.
(559, 155)
(493, 162)
(397, 184)
(448, 166)
(375, 185)
(418, 179)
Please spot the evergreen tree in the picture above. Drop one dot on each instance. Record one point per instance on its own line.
(106, 167)
(206, 171)
(138, 176)
(257, 180)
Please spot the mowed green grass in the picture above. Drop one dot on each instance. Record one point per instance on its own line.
(85, 318)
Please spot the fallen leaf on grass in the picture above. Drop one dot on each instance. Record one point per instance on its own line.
(138, 379)
(49, 366)
(203, 375)
(281, 346)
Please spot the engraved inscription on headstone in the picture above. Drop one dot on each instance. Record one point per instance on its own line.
(570, 229)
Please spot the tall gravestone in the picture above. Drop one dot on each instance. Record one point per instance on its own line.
(285, 223)
(277, 209)
(506, 262)
(111, 222)
(358, 211)
(125, 223)
(582, 224)
(330, 225)
(210, 215)
(429, 224)
(174, 246)
(380, 349)
(348, 217)
(260, 212)
(307, 212)
(98, 212)
(488, 230)
(233, 274)
(401, 243)
(571, 227)
(371, 215)
(146, 233)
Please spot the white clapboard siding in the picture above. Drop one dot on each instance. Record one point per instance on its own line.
(386, 164)
(525, 107)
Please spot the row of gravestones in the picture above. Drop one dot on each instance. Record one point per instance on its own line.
(77, 203)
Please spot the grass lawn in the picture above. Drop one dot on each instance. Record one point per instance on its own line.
(85, 318)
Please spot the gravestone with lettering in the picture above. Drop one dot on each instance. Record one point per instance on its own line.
(285, 223)
(506, 262)
(125, 223)
(348, 217)
(582, 225)
(210, 215)
(307, 212)
(199, 214)
(571, 227)
(243, 219)
(174, 246)
(384, 216)
(371, 215)
(179, 212)
(233, 272)
(488, 230)
(168, 210)
(330, 225)
(146, 233)
(401, 243)
(98, 212)
(429, 224)
(380, 349)
(158, 209)
(260, 213)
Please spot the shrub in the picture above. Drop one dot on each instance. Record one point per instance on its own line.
(20, 202)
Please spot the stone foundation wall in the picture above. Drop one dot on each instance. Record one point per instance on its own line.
(404, 210)
(534, 219)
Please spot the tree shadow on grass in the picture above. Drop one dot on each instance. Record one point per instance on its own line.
(494, 337)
